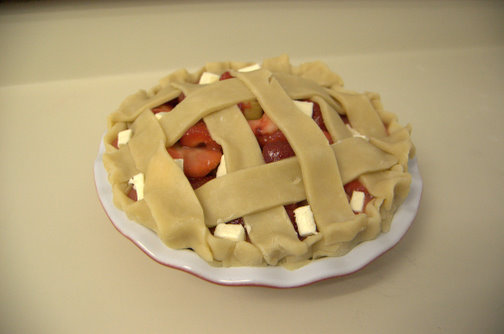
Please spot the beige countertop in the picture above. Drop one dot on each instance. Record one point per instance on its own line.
(66, 66)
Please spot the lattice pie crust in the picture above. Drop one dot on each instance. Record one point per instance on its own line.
(184, 218)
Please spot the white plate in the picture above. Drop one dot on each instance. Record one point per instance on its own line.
(277, 277)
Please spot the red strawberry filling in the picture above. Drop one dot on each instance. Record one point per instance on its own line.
(262, 126)
(273, 142)
(289, 208)
(202, 154)
(277, 150)
(344, 118)
(168, 106)
(226, 75)
(317, 116)
(197, 182)
(356, 185)
(133, 194)
(271, 137)
(198, 136)
(114, 143)
(198, 161)
(237, 221)
(162, 108)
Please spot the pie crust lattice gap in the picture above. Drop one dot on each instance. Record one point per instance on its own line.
(201, 150)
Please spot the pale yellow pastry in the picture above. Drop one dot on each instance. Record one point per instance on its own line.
(258, 164)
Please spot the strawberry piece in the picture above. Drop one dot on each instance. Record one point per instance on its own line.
(237, 221)
(344, 118)
(168, 106)
(198, 162)
(176, 152)
(355, 185)
(269, 138)
(133, 194)
(115, 144)
(226, 75)
(200, 152)
(244, 105)
(198, 136)
(317, 116)
(289, 208)
(290, 212)
(328, 136)
(162, 108)
(197, 182)
(262, 126)
(278, 150)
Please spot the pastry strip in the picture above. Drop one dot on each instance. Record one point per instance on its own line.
(147, 135)
(120, 165)
(360, 111)
(174, 206)
(270, 230)
(198, 105)
(265, 186)
(230, 129)
(136, 211)
(136, 103)
(397, 143)
(336, 127)
(300, 88)
(206, 99)
(319, 72)
(324, 189)
(216, 96)
(250, 190)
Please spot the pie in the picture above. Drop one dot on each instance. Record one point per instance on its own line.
(258, 165)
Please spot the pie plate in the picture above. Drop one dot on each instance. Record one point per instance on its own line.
(277, 277)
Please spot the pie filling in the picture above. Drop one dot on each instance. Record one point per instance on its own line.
(253, 165)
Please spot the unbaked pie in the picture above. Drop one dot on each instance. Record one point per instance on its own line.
(255, 165)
